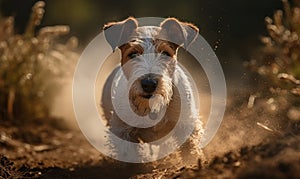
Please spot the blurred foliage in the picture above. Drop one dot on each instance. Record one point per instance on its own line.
(278, 61)
(32, 65)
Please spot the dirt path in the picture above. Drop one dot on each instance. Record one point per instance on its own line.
(48, 149)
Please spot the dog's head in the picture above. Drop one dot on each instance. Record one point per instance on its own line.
(148, 58)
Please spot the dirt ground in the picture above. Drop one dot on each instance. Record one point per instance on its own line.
(245, 147)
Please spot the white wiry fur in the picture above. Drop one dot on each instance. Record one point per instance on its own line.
(192, 120)
(122, 102)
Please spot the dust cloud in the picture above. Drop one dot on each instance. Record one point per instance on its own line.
(239, 126)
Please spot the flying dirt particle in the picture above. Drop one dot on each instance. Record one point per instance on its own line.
(237, 164)
(251, 101)
(294, 114)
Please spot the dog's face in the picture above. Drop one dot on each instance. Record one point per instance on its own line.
(148, 59)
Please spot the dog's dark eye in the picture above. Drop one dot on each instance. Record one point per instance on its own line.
(133, 55)
(166, 53)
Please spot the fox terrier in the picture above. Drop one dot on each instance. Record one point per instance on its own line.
(148, 77)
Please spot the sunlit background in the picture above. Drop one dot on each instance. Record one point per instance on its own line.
(232, 27)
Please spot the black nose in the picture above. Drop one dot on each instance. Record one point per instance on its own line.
(149, 84)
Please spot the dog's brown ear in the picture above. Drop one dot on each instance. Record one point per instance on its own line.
(180, 33)
(118, 33)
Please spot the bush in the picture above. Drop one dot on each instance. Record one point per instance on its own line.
(278, 61)
(32, 66)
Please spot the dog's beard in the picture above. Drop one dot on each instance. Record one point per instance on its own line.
(156, 103)
(144, 106)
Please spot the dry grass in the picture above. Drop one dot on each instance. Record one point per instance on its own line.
(32, 66)
(278, 62)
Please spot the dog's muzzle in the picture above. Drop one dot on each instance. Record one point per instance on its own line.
(149, 84)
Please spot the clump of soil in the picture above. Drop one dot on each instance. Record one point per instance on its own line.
(8, 169)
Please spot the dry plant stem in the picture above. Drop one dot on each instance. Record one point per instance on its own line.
(287, 10)
(35, 18)
(10, 103)
(289, 77)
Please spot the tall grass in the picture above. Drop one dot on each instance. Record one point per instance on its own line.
(32, 66)
(278, 61)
